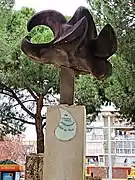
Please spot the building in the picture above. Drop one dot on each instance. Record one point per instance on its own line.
(97, 140)
(30, 147)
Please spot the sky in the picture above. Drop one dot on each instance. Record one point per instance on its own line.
(66, 7)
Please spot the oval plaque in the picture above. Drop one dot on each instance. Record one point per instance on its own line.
(66, 128)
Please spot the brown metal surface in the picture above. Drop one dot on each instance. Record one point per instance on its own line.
(76, 45)
(67, 78)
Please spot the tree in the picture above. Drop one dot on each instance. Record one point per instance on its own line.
(25, 83)
(7, 4)
(11, 148)
(87, 93)
(30, 87)
(120, 87)
(7, 125)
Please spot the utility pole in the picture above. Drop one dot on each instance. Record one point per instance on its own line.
(109, 150)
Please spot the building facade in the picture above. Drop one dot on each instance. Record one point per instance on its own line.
(97, 140)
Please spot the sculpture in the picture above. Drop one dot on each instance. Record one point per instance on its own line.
(76, 47)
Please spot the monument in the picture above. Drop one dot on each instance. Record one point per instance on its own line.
(75, 49)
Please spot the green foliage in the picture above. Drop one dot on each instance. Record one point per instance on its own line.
(87, 93)
(7, 125)
(120, 87)
(22, 81)
(19, 70)
(6, 4)
(41, 34)
(20, 74)
(8, 119)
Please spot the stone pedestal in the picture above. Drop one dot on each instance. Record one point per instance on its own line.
(34, 167)
(65, 143)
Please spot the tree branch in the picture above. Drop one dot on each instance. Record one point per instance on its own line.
(44, 124)
(23, 102)
(22, 120)
(6, 94)
(58, 99)
(46, 89)
(10, 127)
(18, 100)
(32, 93)
(18, 119)
(44, 117)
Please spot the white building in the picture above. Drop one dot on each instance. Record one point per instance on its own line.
(97, 138)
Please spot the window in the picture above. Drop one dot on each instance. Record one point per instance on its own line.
(117, 151)
(127, 144)
(121, 151)
(127, 151)
(119, 144)
(125, 147)
(133, 144)
(101, 159)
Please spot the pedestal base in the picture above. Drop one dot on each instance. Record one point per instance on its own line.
(34, 167)
(65, 142)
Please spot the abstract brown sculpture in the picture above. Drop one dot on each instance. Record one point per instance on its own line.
(76, 47)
